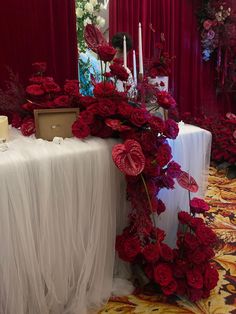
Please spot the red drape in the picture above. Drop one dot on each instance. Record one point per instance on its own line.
(38, 30)
(192, 81)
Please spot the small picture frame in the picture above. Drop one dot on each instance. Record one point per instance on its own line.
(50, 123)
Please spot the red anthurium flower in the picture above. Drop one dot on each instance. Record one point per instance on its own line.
(116, 125)
(129, 157)
(187, 182)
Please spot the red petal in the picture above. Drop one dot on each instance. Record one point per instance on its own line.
(116, 125)
(129, 157)
(93, 37)
(187, 182)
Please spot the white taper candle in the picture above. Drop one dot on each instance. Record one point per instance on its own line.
(134, 67)
(140, 49)
(125, 52)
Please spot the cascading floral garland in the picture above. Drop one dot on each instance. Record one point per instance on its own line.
(145, 159)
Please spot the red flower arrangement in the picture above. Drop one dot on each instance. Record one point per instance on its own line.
(161, 64)
(146, 160)
(222, 129)
(44, 93)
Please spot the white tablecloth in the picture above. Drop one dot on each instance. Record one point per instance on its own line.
(60, 206)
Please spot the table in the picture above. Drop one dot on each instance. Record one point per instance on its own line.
(60, 209)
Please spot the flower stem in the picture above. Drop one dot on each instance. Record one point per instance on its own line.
(149, 201)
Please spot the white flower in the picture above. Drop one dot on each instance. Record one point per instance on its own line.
(79, 12)
(94, 2)
(87, 21)
(100, 21)
(89, 7)
(102, 6)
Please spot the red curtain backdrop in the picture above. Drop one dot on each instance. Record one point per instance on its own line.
(38, 30)
(192, 81)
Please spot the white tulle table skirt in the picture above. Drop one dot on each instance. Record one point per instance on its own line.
(60, 209)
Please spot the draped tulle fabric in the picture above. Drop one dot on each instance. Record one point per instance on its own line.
(58, 210)
(38, 30)
(193, 80)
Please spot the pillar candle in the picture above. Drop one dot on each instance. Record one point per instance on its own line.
(125, 52)
(3, 128)
(134, 67)
(140, 49)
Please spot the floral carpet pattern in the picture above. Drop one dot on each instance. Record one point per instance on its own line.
(221, 196)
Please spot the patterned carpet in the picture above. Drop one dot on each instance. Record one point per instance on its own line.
(221, 196)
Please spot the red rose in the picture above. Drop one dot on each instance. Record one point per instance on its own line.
(171, 288)
(211, 277)
(195, 222)
(104, 89)
(160, 206)
(80, 129)
(163, 155)
(153, 73)
(165, 100)
(184, 217)
(205, 235)
(87, 116)
(208, 252)
(120, 239)
(131, 248)
(106, 53)
(39, 67)
(125, 109)
(87, 101)
(197, 256)
(181, 287)
(194, 294)
(119, 71)
(163, 274)
(148, 141)
(106, 107)
(207, 24)
(194, 278)
(62, 101)
(71, 87)
(151, 252)
(156, 124)
(151, 167)
(190, 241)
(166, 252)
(171, 129)
(16, 120)
(173, 169)
(51, 87)
(180, 268)
(198, 206)
(28, 127)
(139, 117)
(34, 90)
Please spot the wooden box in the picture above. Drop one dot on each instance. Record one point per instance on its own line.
(54, 122)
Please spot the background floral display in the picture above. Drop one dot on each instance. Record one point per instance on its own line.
(218, 38)
(223, 130)
(87, 13)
